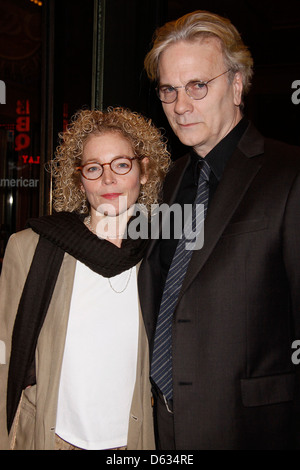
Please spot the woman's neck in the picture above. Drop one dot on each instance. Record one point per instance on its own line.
(111, 228)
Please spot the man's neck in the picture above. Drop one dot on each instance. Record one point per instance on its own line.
(203, 150)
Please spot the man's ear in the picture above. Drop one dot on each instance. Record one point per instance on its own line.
(237, 88)
(144, 170)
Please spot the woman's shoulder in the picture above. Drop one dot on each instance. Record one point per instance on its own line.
(18, 256)
(23, 243)
(26, 236)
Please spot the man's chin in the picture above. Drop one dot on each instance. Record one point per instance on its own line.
(189, 140)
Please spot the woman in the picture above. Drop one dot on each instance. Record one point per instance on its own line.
(77, 364)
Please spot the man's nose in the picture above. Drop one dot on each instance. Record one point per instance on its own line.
(183, 102)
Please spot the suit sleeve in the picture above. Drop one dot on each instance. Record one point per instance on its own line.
(291, 249)
(291, 254)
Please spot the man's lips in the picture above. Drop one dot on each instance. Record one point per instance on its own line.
(187, 125)
(111, 195)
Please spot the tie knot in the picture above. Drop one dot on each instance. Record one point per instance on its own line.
(205, 171)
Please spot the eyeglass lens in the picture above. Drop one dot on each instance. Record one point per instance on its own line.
(120, 166)
(196, 90)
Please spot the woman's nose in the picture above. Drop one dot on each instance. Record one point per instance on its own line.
(108, 176)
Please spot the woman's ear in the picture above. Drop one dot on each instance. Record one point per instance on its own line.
(144, 170)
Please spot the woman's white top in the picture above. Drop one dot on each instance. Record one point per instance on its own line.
(99, 364)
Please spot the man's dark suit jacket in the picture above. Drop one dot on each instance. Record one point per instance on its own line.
(238, 313)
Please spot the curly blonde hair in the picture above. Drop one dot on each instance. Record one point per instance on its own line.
(146, 141)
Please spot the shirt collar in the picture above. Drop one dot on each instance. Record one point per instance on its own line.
(220, 154)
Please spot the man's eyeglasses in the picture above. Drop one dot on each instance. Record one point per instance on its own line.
(197, 90)
(94, 170)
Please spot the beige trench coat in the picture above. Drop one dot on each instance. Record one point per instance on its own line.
(34, 424)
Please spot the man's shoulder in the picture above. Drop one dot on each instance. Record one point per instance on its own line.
(282, 148)
(282, 156)
(275, 151)
(177, 168)
(180, 163)
(174, 177)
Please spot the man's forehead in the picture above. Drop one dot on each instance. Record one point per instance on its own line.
(202, 53)
(201, 40)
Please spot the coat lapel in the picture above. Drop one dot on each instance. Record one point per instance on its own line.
(238, 175)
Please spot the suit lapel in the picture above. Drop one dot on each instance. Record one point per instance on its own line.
(238, 175)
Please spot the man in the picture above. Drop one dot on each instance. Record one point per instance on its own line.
(227, 379)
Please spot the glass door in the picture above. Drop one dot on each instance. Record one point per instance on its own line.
(49, 50)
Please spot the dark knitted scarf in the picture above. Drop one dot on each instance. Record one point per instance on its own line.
(67, 231)
(59, 233)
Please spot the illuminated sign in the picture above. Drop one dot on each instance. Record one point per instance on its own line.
(65, 116)
(27, 159)
(22, 140)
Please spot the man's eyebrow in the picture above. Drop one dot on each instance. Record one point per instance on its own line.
(164, 84)
(190, 81)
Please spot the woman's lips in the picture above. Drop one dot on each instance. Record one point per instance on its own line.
(111, 195)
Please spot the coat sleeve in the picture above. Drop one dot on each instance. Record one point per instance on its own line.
(291, 250)
(16, 264)
(291, 256)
